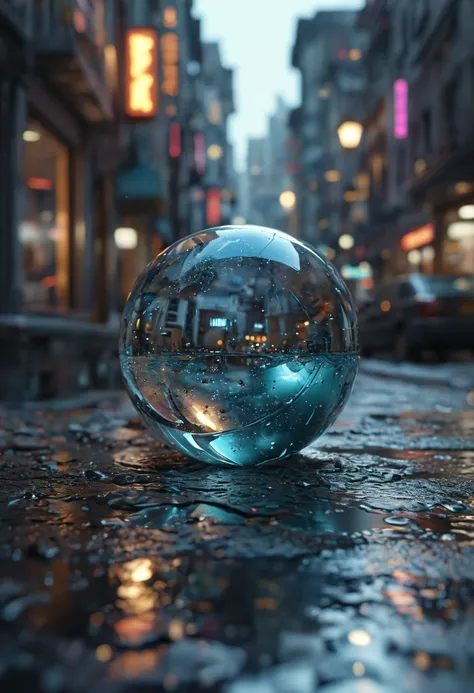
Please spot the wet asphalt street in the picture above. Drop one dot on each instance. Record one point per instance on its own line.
(126, 567)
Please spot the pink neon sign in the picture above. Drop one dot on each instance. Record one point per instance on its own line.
(400, 115)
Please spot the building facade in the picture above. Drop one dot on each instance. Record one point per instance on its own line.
(323, 43)
(417, 149)
(435, 40)
(219, 194)
(113, 143)
(59, 123)
(268, 172)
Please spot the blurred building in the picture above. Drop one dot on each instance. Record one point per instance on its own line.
(219, 192)
(385, 151)
(434, 48)
(418, 143)
(255, 179)
(59, 130)
(268, 174)
(327, 50)
(113, 143)
(157, 171)
(403, 199)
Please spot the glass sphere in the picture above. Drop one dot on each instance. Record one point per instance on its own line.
(239, 345)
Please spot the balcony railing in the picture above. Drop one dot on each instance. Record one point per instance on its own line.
(69, 41)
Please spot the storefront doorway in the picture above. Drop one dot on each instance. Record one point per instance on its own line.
(45, 223)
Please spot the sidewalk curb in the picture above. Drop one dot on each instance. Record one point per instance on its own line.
(381, 371)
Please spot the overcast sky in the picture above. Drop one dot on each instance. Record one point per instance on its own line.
(256, 38)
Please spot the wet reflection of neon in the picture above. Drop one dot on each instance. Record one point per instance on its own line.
(140, 569)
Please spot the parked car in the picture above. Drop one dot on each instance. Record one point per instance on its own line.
(419, 313)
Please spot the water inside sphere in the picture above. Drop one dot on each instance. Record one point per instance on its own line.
(239, 345)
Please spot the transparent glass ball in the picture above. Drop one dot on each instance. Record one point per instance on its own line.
(239, 345)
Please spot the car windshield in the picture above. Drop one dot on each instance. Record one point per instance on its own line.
(449, 286)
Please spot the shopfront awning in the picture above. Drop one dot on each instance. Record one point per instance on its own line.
(141, 182)
(387, 233)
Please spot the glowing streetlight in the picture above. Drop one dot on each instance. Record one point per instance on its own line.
(350, 134)
(463, 188)
(466, 212)
(288, 200)
(414, 257)
(332, 176)
(346, 242)
(31, 136)
(214, 152)
(125, 238)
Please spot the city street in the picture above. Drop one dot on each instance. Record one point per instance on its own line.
(350, 569)
(215, 207)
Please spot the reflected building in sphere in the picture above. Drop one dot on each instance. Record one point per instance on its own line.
(239, 345)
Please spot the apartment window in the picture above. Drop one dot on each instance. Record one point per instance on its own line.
(44, 229)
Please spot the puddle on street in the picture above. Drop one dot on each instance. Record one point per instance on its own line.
(125, 563)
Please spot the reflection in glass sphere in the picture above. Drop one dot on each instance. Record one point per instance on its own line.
(239, 345)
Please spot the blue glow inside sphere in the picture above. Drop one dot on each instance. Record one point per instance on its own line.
(239, 345)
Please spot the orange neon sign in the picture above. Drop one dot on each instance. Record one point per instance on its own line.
(141, 65)
(415, 239)
(170, 17)
(170, 60)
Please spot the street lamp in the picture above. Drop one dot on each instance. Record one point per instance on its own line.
(466, 212)
(288, 200)
(332, 176)
(214, 152)
(350, 134)
(31, 136)
(125, 238)
(346, 242)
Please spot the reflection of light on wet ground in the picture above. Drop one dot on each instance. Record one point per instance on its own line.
(140, 569)
(129, 591)
(137, 601)
(134, 596)
(134, 664)
(104, 653)
(176, 629)
(133, 631)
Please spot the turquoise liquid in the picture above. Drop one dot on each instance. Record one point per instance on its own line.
(239, 409)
